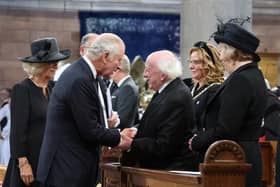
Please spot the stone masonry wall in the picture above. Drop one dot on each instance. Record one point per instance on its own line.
(19, 27)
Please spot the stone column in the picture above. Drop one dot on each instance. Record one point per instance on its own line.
(199, 21)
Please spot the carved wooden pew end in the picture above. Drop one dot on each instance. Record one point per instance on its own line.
(224, 165)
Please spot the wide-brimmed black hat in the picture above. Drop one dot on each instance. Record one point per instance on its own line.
(46, 50)
(238, 37)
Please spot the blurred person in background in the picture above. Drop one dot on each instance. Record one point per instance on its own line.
(5, 126)
(125, 97)
(86, 42)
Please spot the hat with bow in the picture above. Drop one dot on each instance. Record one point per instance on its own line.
(46, 50)
(238, 37)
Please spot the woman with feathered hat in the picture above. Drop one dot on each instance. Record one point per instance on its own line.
(235, 111)
(29, 100)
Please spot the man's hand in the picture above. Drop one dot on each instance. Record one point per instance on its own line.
(125, 143)
(130, 132)
(114, 120)
(127, 136)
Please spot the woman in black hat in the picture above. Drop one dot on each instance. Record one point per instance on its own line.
(236, 109)
(29, 100)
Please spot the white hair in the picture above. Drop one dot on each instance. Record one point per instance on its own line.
(125, 64)
(106, 42)
(169, 64)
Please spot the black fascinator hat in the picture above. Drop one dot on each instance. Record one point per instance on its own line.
(46, 50)
(233, 34)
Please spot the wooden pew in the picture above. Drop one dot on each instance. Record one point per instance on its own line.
(268, 160)
(2, 174)
(224, 165)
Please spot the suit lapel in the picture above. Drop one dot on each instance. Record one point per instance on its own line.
(87, 70)
(95, 84)
(154, 104)
(103, 88)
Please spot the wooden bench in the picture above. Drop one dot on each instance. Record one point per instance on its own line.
(268, 160)
(224, 165)
(2, 174)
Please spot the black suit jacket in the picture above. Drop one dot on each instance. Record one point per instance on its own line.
(125, 102)
(74, 131)
(166, 125)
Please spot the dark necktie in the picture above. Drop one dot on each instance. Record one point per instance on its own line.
(113, 87)
(154, 96)
(103, 90)
(107, 82)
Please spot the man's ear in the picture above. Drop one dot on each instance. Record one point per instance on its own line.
(105, 57)
(163, 77)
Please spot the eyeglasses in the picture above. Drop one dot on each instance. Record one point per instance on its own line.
(204, 46)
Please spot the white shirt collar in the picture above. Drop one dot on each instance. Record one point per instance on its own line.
(164, 86)
(122, 80)
(91, 66)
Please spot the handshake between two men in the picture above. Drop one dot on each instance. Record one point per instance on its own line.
(127, 136)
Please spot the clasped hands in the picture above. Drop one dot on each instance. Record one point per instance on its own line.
(127, 136)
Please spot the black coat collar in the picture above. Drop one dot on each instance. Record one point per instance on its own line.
(246, 66)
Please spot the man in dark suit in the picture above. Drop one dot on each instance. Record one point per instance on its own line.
(85, 44)
(75, 126)
(167, 121)
(125, 97)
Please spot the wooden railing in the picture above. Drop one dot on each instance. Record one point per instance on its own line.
(224, 165)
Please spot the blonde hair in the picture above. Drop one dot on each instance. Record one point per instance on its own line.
(214, 70)
(34, 69)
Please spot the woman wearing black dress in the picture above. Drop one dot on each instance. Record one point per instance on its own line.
(29, 102)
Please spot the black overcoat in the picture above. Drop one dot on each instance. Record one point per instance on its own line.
(164, 129)
(235, 112)
(75, 130)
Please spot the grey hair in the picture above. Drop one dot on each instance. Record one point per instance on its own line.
(85, 39)
(125, 64)
(106, 42)
(33, 69)
(170, 65)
